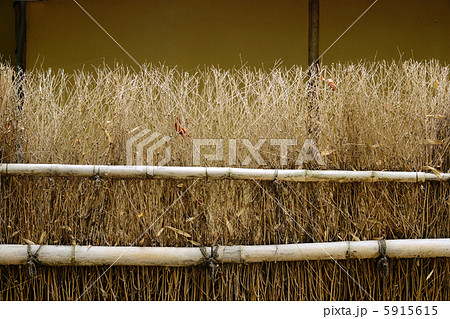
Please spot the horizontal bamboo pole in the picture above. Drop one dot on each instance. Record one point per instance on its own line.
(294, 175)
(191, 256)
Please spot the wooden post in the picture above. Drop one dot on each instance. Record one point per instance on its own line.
(20, 16)
(313, 33)
(313, 62)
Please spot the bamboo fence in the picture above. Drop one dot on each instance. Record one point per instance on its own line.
(51, 255)
(382, 123)
(300, 175)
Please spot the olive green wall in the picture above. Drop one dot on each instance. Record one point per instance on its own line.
(417, 29)
(7, 31)
(191, 33)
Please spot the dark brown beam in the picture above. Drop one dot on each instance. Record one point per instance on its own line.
(313, 68)
(20, 13)
(21, 27)
(313, 32)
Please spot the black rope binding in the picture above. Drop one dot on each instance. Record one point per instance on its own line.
(98, 181)
(32, 260)
(383, 262)
(276, 182)
(211, 261)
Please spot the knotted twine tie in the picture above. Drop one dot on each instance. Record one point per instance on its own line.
(211, 261)
(32, 260)
(383, 262)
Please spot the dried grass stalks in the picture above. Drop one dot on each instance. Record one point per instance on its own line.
(382, 116)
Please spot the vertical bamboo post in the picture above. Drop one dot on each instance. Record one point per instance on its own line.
(313, 67)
